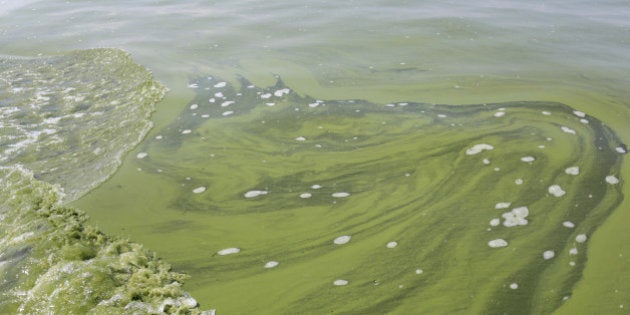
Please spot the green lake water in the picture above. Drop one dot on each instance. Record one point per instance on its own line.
(406, 157)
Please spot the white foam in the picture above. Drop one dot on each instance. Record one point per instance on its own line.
(584, 121)
(205, 116)
(212, 100)
(581, 238)
(573, 251)
(306, 195)
(193, 85)
(477, 148)
(441, 115)
(567, 130)
(340, 282)
(419, 271)
(498, 243)
(159, 137)
(568, 224)
(620, 150)
(342, 240)
(300, 138)
(255, 193)
(611, 179)
(199, 190)
(518, 181)
(229, 251)
(194, 106)
(392, 244)
(187, 131)
(227, 103)
(219, 95)
(499, 114)
(573, 170)
(142, 155)
(546, 113)
(227, 113)
(548, 254)
(270, 104)
(271, 264)
(579, 113)
(281, 92)
(340, 194)
(516, 217)
(486, 161)
(266, 95)
(220, 84)
(315, 104)
(316, 186)
(556, 190)
(528, 159)
(495, 222)
(502, 205)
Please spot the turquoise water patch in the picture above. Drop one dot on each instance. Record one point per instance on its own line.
(299, 204)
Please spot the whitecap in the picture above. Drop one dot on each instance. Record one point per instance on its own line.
(548, 254)
(227, 103)
(499, 242)
(611, 179)
(306, 195)
(227, 113)
(340, 194)
(342, 240)
(220, 84)
(229, 251)
(528, 159)
(514, 286)
(573, 170)
(568, 224)
(567, 130)
(581, 238)
(187, 131)
(477, 148)
(199, 190)
(271, 264)
(266, 95)
(499, 114)
(620, 150)
(300, 138)
(392, 244)
(194, 106)
(281, 92)
(502, 205)
(579, 113)
(340, 282)
(142, 155)
(255, 193)
(556, 190)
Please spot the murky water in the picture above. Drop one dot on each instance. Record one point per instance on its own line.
(358, 111)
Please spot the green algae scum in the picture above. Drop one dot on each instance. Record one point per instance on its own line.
(273, 202)
(60, 137)
(280, 203)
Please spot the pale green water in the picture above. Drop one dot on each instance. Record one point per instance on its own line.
(574, 53)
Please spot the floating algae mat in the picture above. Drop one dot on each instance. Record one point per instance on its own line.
(60, 135)
(282, 203)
